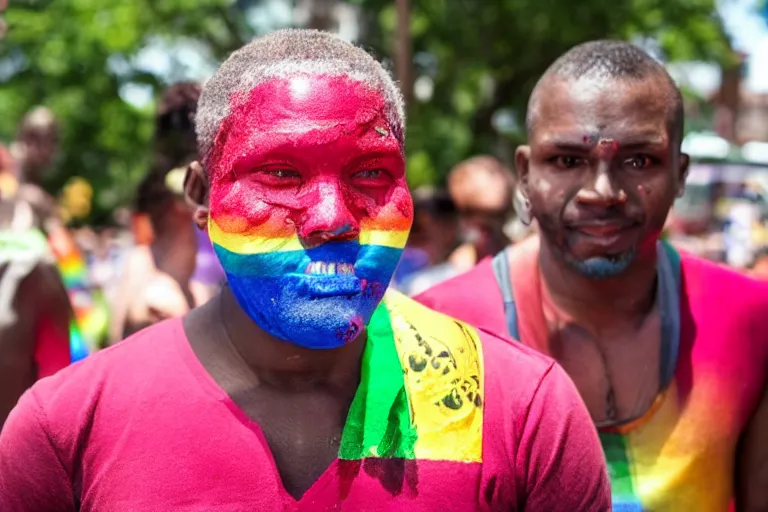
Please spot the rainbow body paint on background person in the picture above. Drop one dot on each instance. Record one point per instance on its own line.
(656, 464)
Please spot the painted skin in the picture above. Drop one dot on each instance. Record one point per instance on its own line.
(599, 177)
(309, 207)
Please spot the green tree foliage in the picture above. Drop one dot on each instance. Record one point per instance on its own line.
(484, 58)
(79, 57)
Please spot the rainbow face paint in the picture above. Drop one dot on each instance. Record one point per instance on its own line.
(309, 208)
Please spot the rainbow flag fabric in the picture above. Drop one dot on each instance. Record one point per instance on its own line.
(421, 388)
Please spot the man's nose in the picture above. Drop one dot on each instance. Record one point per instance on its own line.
(327, 218)
(603, 190)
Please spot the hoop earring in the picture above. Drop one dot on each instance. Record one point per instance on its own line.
(525, 214)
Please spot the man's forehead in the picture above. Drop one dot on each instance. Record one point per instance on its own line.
(590, 107)
(289, 113)
(309, 97)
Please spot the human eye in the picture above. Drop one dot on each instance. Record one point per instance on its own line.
(371, 178)
(278, 176)
(567, 161)
(640, 162)
(283, 173)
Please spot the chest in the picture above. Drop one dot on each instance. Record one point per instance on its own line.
(302, 430)
(617, 373)
(680, 456)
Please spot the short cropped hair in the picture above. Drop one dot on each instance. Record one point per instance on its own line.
(282, 53)
(617, 60)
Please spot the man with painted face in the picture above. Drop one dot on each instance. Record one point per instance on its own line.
(299, 387)
(667, 350)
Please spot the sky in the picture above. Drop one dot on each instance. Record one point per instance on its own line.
(749, 33)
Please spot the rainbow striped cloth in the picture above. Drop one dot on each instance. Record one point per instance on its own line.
(658, 463)
(91, 314)
(421, 388)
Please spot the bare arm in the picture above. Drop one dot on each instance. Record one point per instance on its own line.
(752, 462)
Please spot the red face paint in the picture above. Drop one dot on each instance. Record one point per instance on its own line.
(308, 155)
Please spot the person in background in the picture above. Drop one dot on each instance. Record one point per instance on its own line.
(434, 236)
(155, 283)
(305, 384)
(482, 188)
(669, 351)
(35, 314)
(34, 152)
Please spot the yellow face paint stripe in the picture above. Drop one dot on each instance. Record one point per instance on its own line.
(247, 244)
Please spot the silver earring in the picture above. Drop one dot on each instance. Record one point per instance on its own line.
(524, 213)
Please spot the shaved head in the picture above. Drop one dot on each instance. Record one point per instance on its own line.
(606, 61)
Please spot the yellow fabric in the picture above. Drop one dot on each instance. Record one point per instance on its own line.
(443, 372)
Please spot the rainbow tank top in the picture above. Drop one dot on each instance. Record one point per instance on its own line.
(680, 456)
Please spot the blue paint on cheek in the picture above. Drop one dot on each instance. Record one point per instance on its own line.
(313, 311)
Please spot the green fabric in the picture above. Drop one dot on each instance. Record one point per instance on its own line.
(379, 421)
(29, 244)
(615, 450)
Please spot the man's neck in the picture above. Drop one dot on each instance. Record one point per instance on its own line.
(600, 304)
(286, 366)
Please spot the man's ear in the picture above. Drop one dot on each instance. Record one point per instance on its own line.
(684, 165)
(522, 161)
(196, 190)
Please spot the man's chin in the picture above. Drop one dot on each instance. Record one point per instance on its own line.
(603, 266)
(321, 312)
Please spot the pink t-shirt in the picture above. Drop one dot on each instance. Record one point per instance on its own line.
(142, 426)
